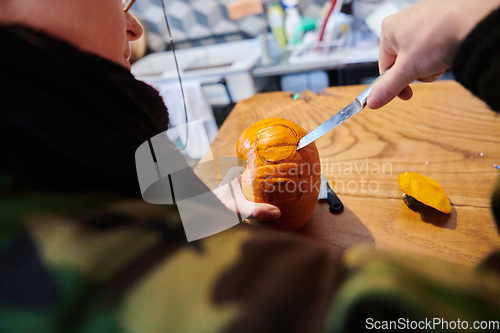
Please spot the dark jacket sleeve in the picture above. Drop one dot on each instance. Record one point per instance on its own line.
(477, 63)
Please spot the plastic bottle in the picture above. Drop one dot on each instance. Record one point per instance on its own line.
(292, 20)
(265, 57)
(276, 18)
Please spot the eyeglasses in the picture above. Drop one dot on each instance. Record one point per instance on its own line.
(127, 4)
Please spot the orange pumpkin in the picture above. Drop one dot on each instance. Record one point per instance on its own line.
(278, 174)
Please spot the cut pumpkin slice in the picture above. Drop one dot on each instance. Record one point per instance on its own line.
(425, 190)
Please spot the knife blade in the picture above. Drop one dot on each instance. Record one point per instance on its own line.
(357, 105)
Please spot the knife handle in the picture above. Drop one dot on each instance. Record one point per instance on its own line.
(336, 206)
(363, 97)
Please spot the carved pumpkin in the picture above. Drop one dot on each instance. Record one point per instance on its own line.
(278, 174)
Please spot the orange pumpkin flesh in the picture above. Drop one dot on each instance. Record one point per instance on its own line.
(277, 173)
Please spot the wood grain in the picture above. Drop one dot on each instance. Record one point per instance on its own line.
(443, 132)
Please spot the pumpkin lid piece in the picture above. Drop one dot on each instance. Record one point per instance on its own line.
(425, 190)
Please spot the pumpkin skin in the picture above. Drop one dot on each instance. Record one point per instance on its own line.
(278, 174)
(426, 190)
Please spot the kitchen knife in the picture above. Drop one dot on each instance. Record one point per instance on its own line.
(357, 105)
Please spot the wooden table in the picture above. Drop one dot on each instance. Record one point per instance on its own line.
(443, 132)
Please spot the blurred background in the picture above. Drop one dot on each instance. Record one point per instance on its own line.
(229, 50)
(201, 22)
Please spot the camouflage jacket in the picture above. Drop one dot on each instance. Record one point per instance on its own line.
(96, 262)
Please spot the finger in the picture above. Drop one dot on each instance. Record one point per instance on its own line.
(246, 208)
(386, 58)
(390, 85)
(406, 93)
(387, 52)
(265, 212)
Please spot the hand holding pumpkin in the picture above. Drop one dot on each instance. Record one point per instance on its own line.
(246, 208)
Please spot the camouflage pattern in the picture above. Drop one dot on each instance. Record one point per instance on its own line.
(95, 262)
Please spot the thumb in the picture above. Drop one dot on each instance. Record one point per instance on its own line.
(258, 211)
(395, 81)
(250, 209)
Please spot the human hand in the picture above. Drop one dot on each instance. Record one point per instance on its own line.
(420, 42)
(246, 208)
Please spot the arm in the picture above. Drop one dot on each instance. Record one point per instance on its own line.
(477, 63)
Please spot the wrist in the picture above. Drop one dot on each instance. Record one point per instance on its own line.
(475, 65)
(469, 16)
